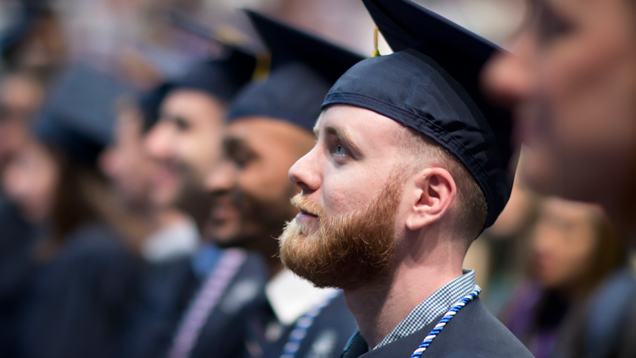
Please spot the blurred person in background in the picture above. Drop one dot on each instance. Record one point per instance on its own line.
(85, 279)
(270, 127)
(570, 83)
(507, 240)
(21, 95)
(581, 273)
(184, 144)
(162, 236)
(127, 164)
(35, 40)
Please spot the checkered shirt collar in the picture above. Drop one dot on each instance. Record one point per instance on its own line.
(432, 307)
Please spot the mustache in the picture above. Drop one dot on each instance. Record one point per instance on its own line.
(304, 204)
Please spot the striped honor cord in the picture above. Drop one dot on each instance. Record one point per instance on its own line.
(442, 322)
(304, 323)
(205, 301)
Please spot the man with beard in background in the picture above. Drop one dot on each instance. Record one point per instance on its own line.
(410, 165)
(183, 145)
(269, 128)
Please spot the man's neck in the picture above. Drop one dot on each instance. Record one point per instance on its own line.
(380, 307)
(267, 247)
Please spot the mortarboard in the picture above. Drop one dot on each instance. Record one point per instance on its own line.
(222, 77)
(79, 114)
(431, 84)
(303, 68)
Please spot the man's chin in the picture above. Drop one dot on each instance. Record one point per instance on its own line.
(163, 199)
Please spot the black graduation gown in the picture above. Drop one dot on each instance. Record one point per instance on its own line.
(16, 269)
(326, 337)
(78, 300)
(166, 291)
(473, 332)
(223, 334)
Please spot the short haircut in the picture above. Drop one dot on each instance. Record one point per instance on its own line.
(471, 205)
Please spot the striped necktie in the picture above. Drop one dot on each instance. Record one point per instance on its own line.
(204, 302)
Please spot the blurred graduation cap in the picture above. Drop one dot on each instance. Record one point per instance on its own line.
(79, 114)
(22, 25)
(303, 68)
(221, 77)
(431, 84)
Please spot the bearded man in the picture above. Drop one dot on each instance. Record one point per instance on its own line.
(410, 165)
(269, 127)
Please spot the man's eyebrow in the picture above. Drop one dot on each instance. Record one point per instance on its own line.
(343, 136)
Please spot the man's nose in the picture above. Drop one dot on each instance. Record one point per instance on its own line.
(222, 178)
(158, 142)
(507, 78)
(304, 173)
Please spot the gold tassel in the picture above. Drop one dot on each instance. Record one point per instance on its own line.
(375, 42)
(263, 66)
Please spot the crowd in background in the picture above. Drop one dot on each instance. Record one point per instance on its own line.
(548, 266)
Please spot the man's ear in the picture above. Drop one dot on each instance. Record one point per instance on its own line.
(435, 191)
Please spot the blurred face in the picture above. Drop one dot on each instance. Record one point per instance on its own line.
(184, 146)
(345, 233)
(30, 180)
(251, 189)
(564, 241)
(19, 99)
(126, 161)
(571, 84)
(44, 48)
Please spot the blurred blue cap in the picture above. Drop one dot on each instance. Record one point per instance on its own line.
(79, 113)
(221, 77)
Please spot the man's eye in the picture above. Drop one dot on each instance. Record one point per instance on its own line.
(182, 124)
(552, 25)
(241, 162)
(340, 150)
(242, 159)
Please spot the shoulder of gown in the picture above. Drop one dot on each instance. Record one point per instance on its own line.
(224, 332)
(330, 332)
(473, 332)
(166, 290)
(79, 300)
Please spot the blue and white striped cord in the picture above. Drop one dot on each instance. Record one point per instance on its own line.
(442, 322)
(304, 323)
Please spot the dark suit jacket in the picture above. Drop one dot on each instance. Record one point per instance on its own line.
(77, 303)
(326, 337)
(473, 332)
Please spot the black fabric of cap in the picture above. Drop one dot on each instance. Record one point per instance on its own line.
(303, 68)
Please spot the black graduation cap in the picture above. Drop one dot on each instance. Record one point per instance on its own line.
(79, 114)
(303, 68)
(431, 84)
(222, 77)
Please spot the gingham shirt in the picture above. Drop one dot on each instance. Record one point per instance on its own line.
(432, 307)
